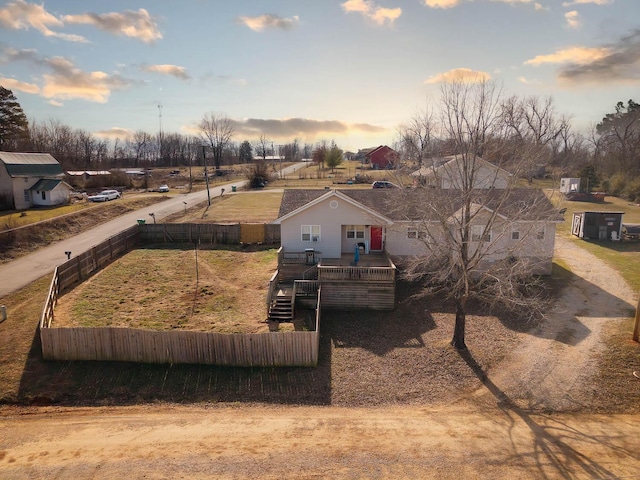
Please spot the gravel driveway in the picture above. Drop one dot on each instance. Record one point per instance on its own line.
(553, 368)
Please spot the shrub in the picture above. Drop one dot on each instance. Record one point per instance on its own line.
(632, 190)
(616, 184)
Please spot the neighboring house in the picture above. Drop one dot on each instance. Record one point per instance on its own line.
(24, 180)
(449, 175)
(382, 157)
(334, 222)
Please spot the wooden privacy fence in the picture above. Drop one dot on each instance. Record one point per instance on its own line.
(273, 349)
(210, 233)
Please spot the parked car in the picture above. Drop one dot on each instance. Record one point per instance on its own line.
(383, 184)
(104, 196)
(163, 188)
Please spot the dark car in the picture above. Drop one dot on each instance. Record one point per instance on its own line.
(383, 184)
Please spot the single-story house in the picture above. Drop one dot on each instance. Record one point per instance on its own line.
(401, 222)
(28, 179)
(597, 225)
(449, 175)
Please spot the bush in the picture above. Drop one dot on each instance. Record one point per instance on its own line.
(616, 184)
(632, 190)
(258, 175)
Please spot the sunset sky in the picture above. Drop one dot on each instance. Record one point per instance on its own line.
(351, 70)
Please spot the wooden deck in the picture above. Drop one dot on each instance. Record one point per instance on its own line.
(366, 260)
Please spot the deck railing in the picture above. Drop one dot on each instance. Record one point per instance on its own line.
(273, 284)
(300, 258)
(358, 274)
(306, 287)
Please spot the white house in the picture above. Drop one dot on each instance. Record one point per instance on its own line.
(333, 222)
(448, 175)
(24, 180)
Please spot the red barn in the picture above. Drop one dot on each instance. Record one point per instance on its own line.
(382, 157)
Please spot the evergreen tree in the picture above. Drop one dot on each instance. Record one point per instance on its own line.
(14, 127)
(246, 152)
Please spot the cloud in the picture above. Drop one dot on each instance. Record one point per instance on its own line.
(113, 133)
(616, 62)
(135, 24)
(13, 84)
(56, 103)
(65, 81)
(300, 127)
(585, 2)
(69, 82)
(575, 55)
(373, 12)
(455, 3)
(262, 22)
(174, 70)
(459, 75)
(20, 15)
(573, 19)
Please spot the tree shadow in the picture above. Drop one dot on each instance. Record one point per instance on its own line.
(551, 439)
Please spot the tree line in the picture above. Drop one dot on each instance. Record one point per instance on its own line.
(609, 155)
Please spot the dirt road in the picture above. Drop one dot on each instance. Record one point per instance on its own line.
(458, 441)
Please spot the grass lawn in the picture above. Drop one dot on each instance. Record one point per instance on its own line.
(623, 256)
(18, 219)
(169, 289)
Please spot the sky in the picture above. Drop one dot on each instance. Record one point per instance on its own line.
(350, 71)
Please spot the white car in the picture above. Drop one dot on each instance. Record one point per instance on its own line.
(163, 188)
(104, 196)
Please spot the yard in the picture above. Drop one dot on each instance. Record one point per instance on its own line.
(175, 289)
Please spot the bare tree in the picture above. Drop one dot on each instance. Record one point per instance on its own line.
(415, 137)
(262, 146)
(479, 244)
(141, 144)
(217, 131)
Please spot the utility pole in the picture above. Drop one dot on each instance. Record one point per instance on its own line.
(160, 129)
(206, 174)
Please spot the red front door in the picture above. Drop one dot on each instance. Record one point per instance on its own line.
(376, 238)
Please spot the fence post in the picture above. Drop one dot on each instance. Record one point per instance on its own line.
(636, 328)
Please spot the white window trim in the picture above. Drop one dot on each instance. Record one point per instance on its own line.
(478, 231)
(355, 230)
(309, 230)
(414, 232)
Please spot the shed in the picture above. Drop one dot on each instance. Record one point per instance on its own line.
(48, 192)
(569, 185)
(597, 225)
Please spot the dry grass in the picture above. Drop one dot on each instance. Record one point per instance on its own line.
(167, 289)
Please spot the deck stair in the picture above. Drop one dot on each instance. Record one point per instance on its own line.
(281, 307)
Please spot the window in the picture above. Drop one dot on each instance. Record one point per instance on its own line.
(540, 234)
(413, 232)
(44, 195)
(310, 233)
(27, 196)
(515, 234)
(355, 231)
(478, 234)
